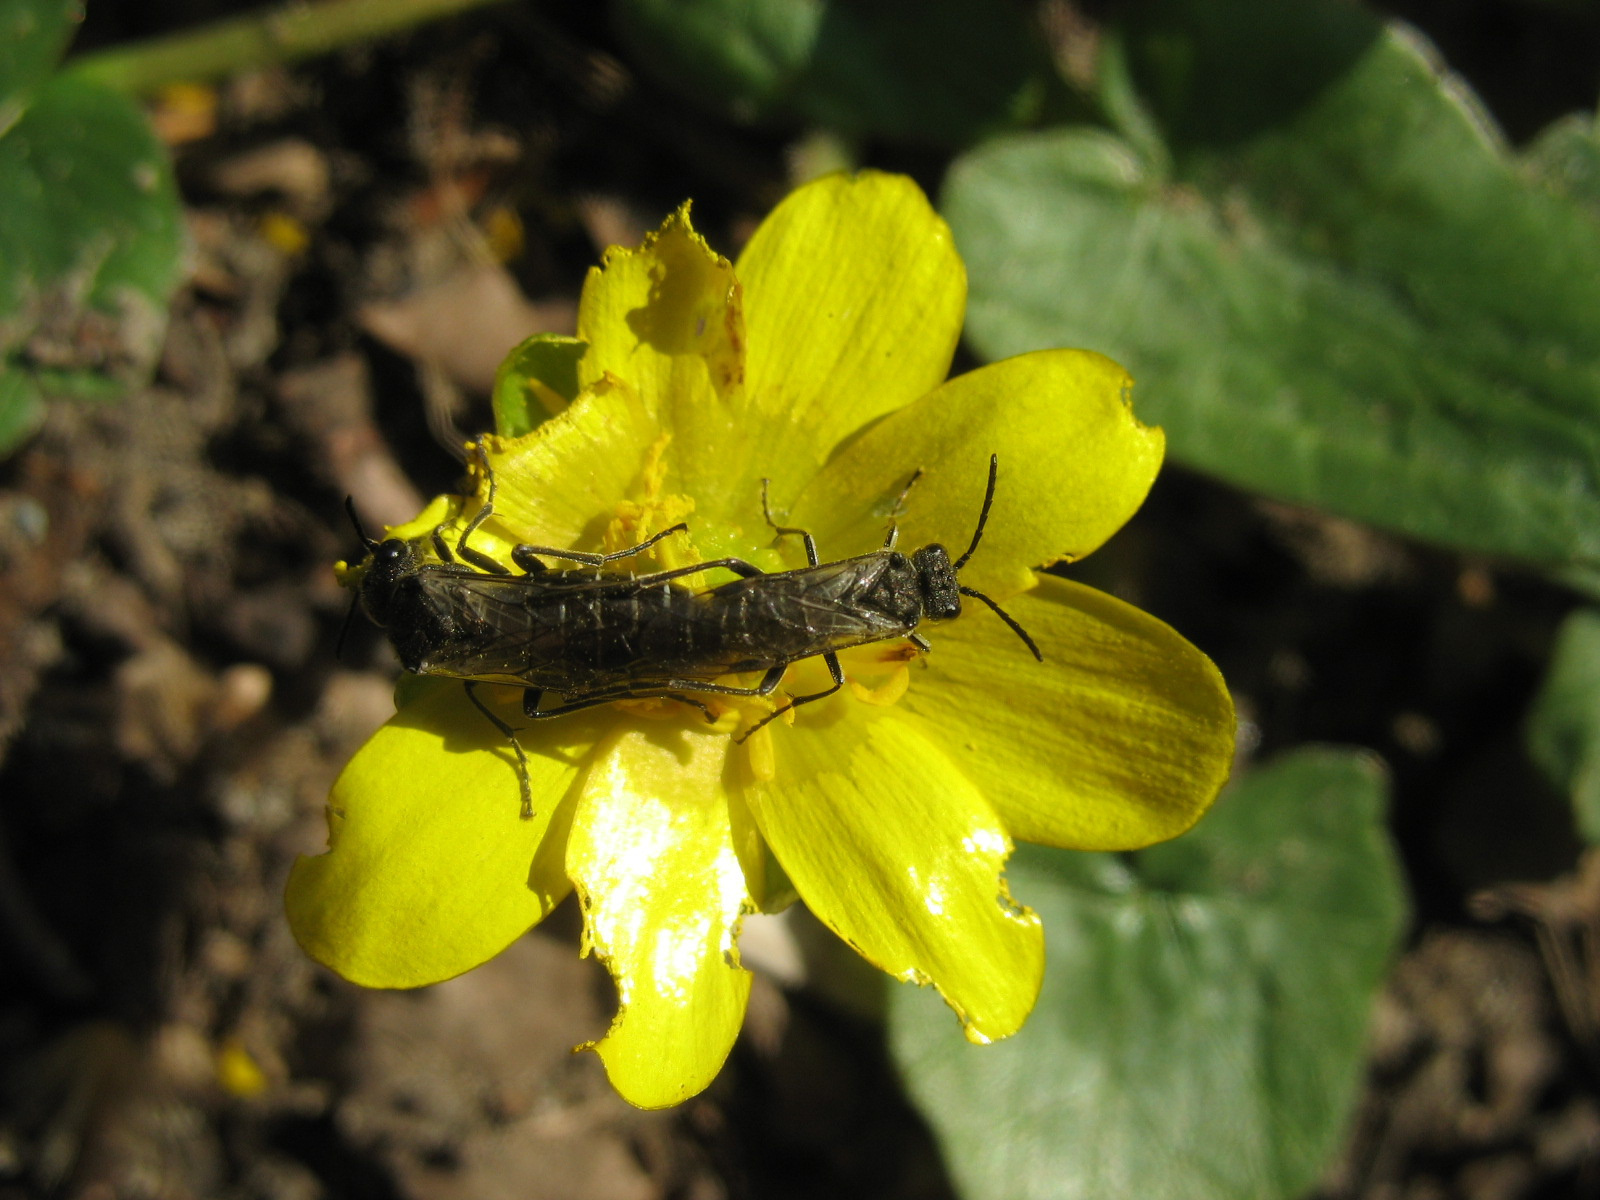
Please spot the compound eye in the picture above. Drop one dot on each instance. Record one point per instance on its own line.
(390, 551)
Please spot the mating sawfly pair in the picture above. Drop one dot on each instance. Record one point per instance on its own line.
(591, 636)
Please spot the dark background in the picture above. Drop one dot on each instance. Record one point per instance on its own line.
(172, 711)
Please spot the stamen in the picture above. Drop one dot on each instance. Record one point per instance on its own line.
(887, 693)
(760, 755)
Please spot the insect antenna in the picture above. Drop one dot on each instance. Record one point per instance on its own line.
(983, 518)
(350, 507)
(355, 601)
(1016, 626)
(977, 536)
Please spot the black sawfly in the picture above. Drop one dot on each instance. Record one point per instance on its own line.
(592, 636)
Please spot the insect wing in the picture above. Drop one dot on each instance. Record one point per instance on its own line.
(795, 614)
(843, 603)
(507, 628)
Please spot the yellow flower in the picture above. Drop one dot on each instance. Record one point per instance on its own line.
(817, 362)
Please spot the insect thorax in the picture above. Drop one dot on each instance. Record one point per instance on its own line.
(897, 592)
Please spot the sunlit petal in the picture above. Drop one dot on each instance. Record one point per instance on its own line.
(1074, 466)
(855, 296)
(899, 854)
(560, 484)
(652, 854)
(431, 869)
(1120, 738)
(665, 316)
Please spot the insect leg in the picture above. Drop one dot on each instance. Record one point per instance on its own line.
(781, 530)
(670, 689)
(891, 538)
(660, 687)
(533, 696)
(511, 736)
(899, 505)
(463, 551)
(476, 557)
(834, 669)
(523, 555)
(592, 700)
(705, 709)
(442, 547)
(737, 565)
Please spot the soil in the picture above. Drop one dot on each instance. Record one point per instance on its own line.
(370, 232)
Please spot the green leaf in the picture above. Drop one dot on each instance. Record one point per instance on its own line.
(1564, 722)
(1219, 71)
(933, 71)
(1566, 157)
(90, 241)
(1199, 1035)
(537, 379)
(21, 410)
(1368, 306)
(33, 35)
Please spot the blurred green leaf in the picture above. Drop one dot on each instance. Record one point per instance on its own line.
(33, 33)
(1216, 72)
(940, 72)
(90, 243)
(1564, 722)
(1567, 157)
(1200, 1031)
(537, 379)
(21, 409)
(1369, 306)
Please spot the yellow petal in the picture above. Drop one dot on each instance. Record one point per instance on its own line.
(666, 317)
(854, 296)
(431, 869)
(439, 511)
(1074, 466)
(900, 855)
(560, 485)
(653, 857)
(1120, 738)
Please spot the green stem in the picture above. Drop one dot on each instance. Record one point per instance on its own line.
(256, 40)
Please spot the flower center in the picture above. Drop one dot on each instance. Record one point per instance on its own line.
(876, 674)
